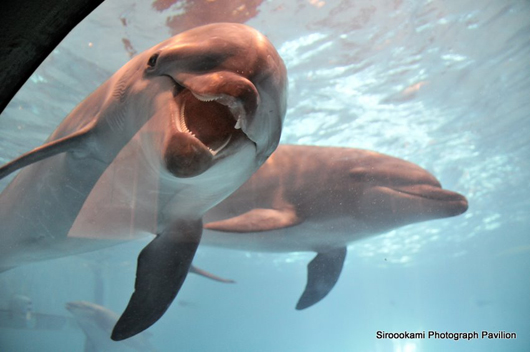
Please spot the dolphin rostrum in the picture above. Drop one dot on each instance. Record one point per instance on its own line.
(321, 199)
(167, 137)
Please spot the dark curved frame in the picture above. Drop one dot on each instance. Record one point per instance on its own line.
(29, 31)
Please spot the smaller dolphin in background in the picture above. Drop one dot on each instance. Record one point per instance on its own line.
(97, 323)
(321, 199)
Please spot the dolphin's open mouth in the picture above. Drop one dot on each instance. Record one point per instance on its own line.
(213, 120)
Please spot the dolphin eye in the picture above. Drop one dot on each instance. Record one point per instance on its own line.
(152, 60)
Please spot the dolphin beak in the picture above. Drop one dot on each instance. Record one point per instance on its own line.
(454, 203)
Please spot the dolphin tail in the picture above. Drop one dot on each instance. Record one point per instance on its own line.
(162, 268)
(322, 274)
(204, 273)
(68, 143)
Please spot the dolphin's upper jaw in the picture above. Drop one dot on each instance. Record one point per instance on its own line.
(213, 120)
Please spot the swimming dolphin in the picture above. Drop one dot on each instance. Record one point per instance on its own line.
(321, 199)
(167, 137)
(97, 322)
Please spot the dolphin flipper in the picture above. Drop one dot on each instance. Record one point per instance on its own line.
(257, 220)
(204, 273)
(322, 274)
(69, 143)
(162, 267)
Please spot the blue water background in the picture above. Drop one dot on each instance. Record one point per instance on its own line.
(444, 84)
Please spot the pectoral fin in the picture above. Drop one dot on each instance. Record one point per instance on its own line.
(162, 267)
(257, 220)
(65, 144)
(322, 274)
(204, 273)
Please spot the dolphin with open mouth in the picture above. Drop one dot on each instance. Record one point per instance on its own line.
(184, 123)
(321, 199)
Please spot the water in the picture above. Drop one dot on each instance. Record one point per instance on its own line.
(444, 84)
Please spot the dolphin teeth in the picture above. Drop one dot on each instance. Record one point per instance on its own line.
(205, 98)
(214, 152)
(238, 124)
(182, 120)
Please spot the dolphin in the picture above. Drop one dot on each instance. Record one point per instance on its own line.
(167, 137)
(97, 322)
(321, 199)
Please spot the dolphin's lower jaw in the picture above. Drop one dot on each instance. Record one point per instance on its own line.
(185, 156)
